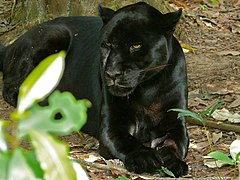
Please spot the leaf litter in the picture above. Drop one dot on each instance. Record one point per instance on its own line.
(205, 66)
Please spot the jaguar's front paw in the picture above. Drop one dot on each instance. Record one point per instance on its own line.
(143, 160)
(172, 162)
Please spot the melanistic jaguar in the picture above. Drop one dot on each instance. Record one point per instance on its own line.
(130, 66)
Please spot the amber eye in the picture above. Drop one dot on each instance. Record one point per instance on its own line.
(108, 44)
(135, 46)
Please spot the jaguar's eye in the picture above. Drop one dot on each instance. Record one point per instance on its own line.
(135, 46)
(107, 44)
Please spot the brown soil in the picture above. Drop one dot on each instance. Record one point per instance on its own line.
(212, 72)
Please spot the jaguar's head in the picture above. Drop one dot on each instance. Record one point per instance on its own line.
(134, 45)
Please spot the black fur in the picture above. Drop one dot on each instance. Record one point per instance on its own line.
(1, 56)
(133, 71)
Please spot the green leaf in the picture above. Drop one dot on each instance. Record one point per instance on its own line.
(203, 7)
(185, 113)
(168, 172)
(238, 157)
(122, 178)
(80, 172)
(41, 81)
(215, 2)
(18, 167)
(235, 149)
(221, 156)
(4, 159)
(161, 173)
(74, 115)
(34, 163)
(53, 156)
(3, 142)
(212, 108)
(203, 96)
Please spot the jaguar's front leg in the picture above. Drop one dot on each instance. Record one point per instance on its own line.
(117, 142)
(174, 145)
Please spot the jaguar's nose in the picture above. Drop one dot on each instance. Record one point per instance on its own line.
(113, 75)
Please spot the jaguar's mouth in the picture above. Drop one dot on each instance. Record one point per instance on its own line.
(118, 90)
(120, 86)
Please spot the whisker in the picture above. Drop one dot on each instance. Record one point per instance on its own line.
(128, 98)
(131, 77)
(156, 68)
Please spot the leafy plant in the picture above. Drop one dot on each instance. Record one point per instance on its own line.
(203, 7)
(234, 152)
(202, 117)
(166, 171)
(122, 178)
(217, 155)
(47, 157)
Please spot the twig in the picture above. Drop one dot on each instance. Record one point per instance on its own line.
(108, 167)
(124, 171)
(217, 125)
(9, 29)
(231, 170)
(101, 166)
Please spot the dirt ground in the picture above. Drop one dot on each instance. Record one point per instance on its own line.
(213, 31)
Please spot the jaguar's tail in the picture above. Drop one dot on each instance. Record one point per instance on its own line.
(2, 47)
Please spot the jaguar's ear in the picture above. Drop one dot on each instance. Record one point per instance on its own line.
(105, 13)
(172, 19)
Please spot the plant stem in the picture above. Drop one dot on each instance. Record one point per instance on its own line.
(208, 138)
(211, 149)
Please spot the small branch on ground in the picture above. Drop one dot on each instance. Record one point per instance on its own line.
(122, 170)
(217, 125)
(230, 171)
(8, 29)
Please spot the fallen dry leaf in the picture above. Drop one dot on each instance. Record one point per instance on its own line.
(225, 53)
(194, 102)
(235, 103)
(198, 146)
(216, 137)
(92, 158)
(188, 48)
(237, 2)
(211, 3)
(218, 89)
(235, 28)
(211, 163)
(224, 114)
